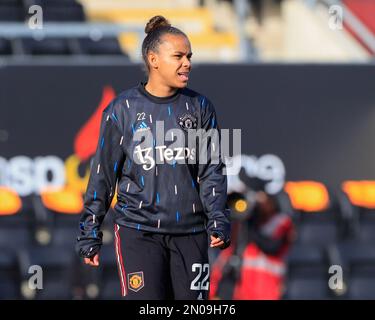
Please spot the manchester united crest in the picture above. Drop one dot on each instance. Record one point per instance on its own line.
(135, 281)
(188, 121)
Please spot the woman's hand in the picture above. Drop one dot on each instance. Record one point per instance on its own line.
(93, 261)
(216, 242)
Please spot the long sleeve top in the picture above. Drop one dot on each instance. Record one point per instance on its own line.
(163, 183)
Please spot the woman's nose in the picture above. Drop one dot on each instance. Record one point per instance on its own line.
(187, 63)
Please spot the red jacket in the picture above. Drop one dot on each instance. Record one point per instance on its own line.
(261, 274)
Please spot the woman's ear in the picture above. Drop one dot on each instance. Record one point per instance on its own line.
(152, 60)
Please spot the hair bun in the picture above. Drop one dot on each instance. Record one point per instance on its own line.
(156, 22)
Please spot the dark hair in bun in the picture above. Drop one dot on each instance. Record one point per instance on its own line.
(156, 22)
(155, 28)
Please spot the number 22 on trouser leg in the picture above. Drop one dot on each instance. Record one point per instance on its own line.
(200, 282)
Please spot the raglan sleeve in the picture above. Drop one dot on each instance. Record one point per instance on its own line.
(106, 167)
(212, 177)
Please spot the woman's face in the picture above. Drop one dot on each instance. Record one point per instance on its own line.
(172, 63)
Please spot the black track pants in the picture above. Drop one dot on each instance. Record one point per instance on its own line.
(162, 266)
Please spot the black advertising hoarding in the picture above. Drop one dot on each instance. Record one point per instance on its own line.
(316, 122)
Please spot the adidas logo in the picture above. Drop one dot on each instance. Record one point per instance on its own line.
(142, 127)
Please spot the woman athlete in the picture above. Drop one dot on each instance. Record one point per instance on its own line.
(171, 202)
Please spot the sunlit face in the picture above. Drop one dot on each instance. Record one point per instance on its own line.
(171, 63)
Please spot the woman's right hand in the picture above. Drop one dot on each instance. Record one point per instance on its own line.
(93, 261)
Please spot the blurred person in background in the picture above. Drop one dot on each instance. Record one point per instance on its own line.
(254, 267)
(165, 210)
(259, 7)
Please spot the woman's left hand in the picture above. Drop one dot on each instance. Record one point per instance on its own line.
(216, 242)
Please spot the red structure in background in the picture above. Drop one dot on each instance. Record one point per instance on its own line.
(86, 139)
(364, 10)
